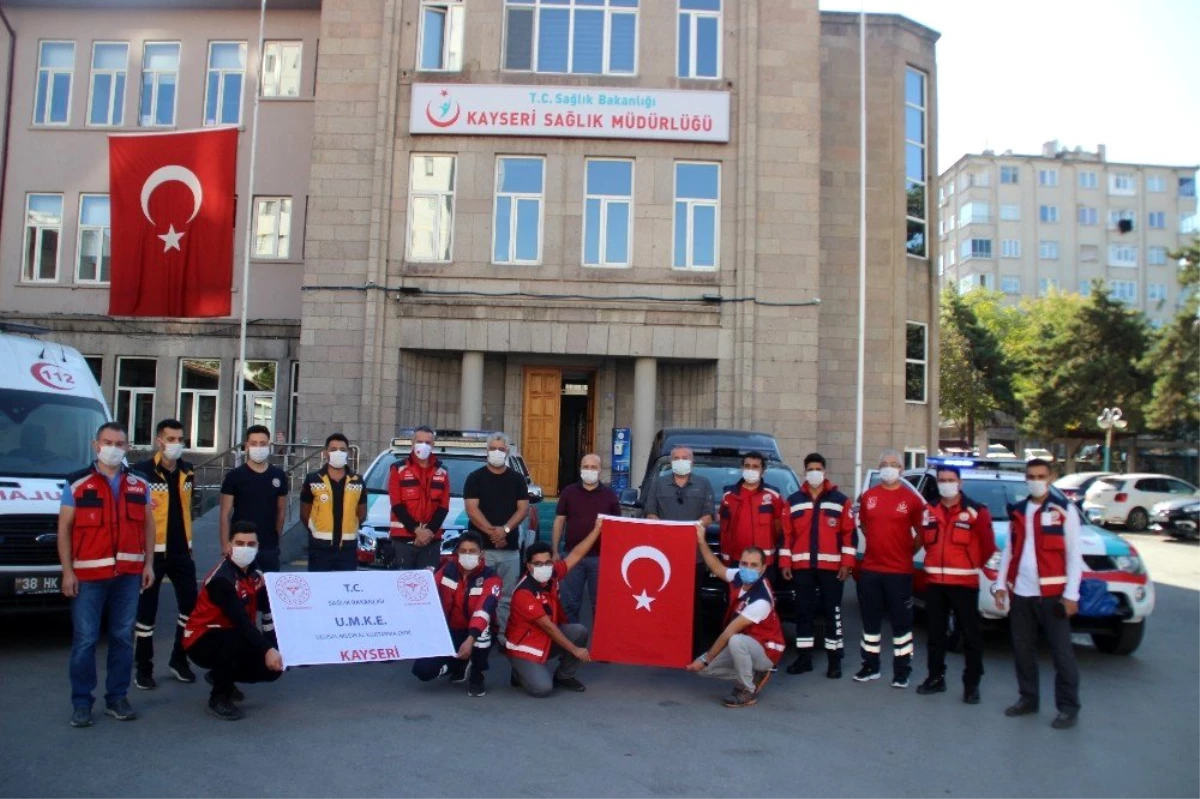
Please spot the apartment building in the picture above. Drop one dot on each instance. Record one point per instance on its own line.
(1026, 224)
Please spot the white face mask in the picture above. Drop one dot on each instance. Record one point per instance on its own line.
(111, 456)
(496, 458)
(173, 451)
(468, 562)
(815, 478)
(1037, 488)
(543, 573)
(681, 467)
(589, 476)
(889, 474)
(337, 458)
(751, 476)
(422, 450)
(948, 490)
(243, 556)
(259, 454)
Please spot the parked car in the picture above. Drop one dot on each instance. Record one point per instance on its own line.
(1074, 486)
(1039, 452)
(460, 453)
(1107, 557)
(1178, 518)
(1000, 452)
(1127, 499)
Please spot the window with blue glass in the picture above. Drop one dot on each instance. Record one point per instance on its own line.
(517, 218)
(226, 76)
(914, 161)
(106, 101)
(697, 215)
(586, 37)
(699, 39)
(442, 25)
(608, 212)
(160, 79)
(52, 98)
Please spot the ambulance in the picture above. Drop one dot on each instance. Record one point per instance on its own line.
(50, 408)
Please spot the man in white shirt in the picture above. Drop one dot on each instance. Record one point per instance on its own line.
(1043, 582)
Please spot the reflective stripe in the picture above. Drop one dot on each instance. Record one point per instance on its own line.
(804, 642)
(267, 628)
(476, 591)
(874, 639)
(903, 639)
(94, 564)
(143, 633)
(802, 506)
(799, 556)
(321, 536)
(831, 506)
(481, 614)
(949, 571)
(831, 558)
(768, 552)
(140, 626)
(529, 650)
(849, 551)
(482, 644)
(831, 644)
(1053, 580)
(775, 646)
(907, 649)
(785, 553)
(138, 558)
(160, 547)
(872, 648)
(397, 524)
(446, 581)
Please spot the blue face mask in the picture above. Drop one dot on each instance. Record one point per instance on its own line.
(749, 576)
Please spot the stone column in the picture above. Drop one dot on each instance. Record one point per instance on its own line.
(645, 400)
(471, 393)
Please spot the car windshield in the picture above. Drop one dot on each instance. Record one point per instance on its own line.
(727, 471)
(1080, 480)
(458, 467)
(996, 494)
(46, 435)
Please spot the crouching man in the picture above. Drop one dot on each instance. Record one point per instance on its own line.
(752, 642)
(222, 632)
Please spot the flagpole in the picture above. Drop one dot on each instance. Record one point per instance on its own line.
(239, 402)
(862, 248)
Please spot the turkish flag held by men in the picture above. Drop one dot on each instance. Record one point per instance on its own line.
(646, 594)
(172, 200)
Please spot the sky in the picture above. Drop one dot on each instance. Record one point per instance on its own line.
(1013, 74)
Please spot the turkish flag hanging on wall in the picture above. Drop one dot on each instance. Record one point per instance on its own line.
(646, 594)
(172, 201)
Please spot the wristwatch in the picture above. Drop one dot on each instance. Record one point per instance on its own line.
(507, 529)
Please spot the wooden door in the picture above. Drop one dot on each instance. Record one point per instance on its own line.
(540, 422)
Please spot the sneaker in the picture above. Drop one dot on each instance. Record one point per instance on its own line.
(866, 674)
(221, 707)
(1023, 707)
(1065, 721)
(971, 694)
(458, 678)
(760, 680)
(569, 684)
(121, 710)
(834, 670)
(932, 685)
(182, 671)
(145, 681)
(235, 695)
(900, 681)
(81, 717)
(741, 697)
(476, 687)
(802, 663)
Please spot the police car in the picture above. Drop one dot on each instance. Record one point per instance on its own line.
(459, 453)
(1117, 595)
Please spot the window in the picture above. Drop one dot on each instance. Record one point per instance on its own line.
(106, 99)
(1156, 183)
(699, 45)
(590, 37)
(1156, 292)
(974, 212)
(966, 284)
(1122, 255)
(442, 25)
(1088, 180)
(96, 364)
(1187, 223)
(1116, 217)
(431, 208)
(1089, 253)
(1046, 284)
(93, 251)
(1156, 256)
(258, 388)
(1010, 284)
(43, 228)
(199, 390)
(272, 227)
(950, 189)
(1123, 290)
(608, 213)
(52, 96)
(914, 160)
(976, 248)
(1048, 250)
(951, 254)
(517, 221)
(1122, 183)
(982, 178)
(987, 281)
(1187, 187)
(1048, 177)
(1158, 220)
(1085, 287)
(914, 457)
(160, 76)
(697, 215)
(1009, 175)
(226, 75)
(1010, 213)
(294, 403)
(915, 362)
(1010, 248)
(1088, 216)
(1048, 213)
(136, 378)
(281, 69)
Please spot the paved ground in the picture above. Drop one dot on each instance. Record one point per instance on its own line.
(372, 730)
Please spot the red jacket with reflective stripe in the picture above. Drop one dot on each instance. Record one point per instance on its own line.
(421, 492)
(1049, 544)
(750, 519)
(530, 601)
(958, 542)
(769, 631)
(108, 535)
(250, 589)
(469, 600)
(819, 532)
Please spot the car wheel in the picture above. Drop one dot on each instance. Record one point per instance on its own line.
(1124, 641)
(1137, 519)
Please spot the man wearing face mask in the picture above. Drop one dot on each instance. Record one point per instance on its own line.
(222, 633)
(751, 513)
(170, 478)
(579, 505)
(1040, 572)
(256, 492)
(333, 504)
(497, 499)
(958, 541)
(105, 544)
(752, 642)
(680, 496)
(819, 548)
(888, 514)
(470, 591)
(419, 492)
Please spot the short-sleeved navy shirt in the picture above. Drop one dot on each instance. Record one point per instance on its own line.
(255, 499)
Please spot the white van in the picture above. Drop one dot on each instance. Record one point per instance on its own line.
(50, 407)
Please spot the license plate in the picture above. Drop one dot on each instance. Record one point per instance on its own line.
(37, 585)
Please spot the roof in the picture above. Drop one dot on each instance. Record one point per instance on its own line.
(1050, 159)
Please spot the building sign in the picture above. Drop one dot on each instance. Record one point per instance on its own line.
(569, 112)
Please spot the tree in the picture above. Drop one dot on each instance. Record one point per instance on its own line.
(1174, 405)
(976, 375)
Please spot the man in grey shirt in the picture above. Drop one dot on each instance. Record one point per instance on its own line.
(680, 496)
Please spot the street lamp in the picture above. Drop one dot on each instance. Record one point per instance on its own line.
(1109, 420)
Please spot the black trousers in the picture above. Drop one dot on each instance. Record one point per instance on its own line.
(940, 600)
(427, 669)
(182, 573)
(880, 593)
(268, 559)
(232, 659)
(806, 583)
(409, 556)
(1025, 615)
(327, 559)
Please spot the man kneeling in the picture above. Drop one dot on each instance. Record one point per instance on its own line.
(222, 633)
(470, 591)
(752, 641)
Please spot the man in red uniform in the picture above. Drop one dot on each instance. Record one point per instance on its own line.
(958, 541)
(419, 490)
(469, 590)
(536, 630)
(819, 547)
(751, 513)
(888, 515)
(222, 633)
(752, 642)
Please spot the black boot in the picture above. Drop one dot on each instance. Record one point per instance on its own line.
(802, 663)
(932, 685)
(834, 670)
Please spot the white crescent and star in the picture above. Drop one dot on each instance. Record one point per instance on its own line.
(645, 553)
(166, 174)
